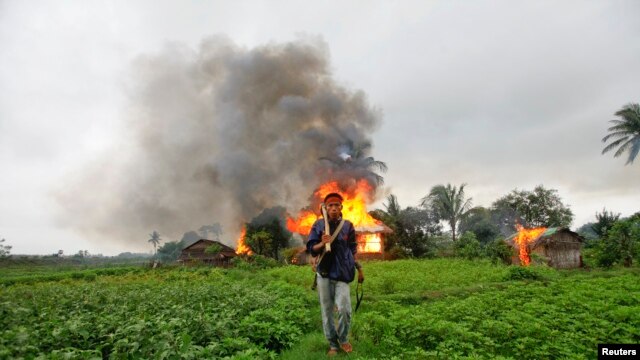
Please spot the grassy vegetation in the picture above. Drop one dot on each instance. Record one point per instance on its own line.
(34, 266)
(425, 309)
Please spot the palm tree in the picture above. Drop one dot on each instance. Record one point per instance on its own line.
(392, 217)
(448, 203)
(352, 158)
(155, 240)
(626, 131)
(392, 207)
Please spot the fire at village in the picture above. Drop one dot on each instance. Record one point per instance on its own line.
(253, 172)
(558, 247)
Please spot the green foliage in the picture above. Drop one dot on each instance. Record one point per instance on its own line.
(266, 233)
(626, 132)
(440, 309)
(480, 222)
(397, 252)
(260, 241)
(565, 318)
(155, 314)
(448, 203)
(604, 222)
(590, 236)
(254, 262)
(170, 251)
(621, 244)
(522, 273)
(499, 251)
(413, 229)
(289, 254)
(468, 246)
(51, 275)
(540, 207)
(213, 249)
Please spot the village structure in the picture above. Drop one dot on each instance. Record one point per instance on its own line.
(197, 253)
(559, 248)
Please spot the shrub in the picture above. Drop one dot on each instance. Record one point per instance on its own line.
(620, 245)
(397, 252)
(288, 254)
(254, 262)
(468, 246)
(213, 249)
(499, 251)
(522, 273)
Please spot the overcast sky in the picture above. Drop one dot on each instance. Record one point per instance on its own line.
(498, 95)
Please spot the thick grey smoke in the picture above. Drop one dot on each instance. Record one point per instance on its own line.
(217, 134)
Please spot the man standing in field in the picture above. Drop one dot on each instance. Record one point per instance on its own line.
(335, 270)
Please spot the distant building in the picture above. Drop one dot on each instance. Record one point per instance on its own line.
(197, 253)
(558, 247)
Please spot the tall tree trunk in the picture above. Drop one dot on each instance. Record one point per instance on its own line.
(452, 223)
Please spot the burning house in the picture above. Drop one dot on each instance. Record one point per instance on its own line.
(246, 129)
(558, 247)
(369, 231)
(209, 252)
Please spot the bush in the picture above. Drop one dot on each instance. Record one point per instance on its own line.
(620, 245)
(288, 254)
(254, 262)
(522, 273)
(397, 252)
(468, 246)
(444, 246)
(499, 251)
(213, 249)
(90, 276)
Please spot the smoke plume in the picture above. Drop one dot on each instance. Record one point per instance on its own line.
(217, 134)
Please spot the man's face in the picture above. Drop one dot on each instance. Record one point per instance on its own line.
(333, 209)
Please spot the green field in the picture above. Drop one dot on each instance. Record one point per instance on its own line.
(413, 309)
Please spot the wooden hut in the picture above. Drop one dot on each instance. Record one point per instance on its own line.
(370, 241)
(197, 253)
(558, 247)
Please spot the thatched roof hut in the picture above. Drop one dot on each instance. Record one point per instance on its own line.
(370, 241)
(198, 253)
(558, 247)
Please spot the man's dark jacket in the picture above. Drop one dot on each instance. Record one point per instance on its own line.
(339, 263)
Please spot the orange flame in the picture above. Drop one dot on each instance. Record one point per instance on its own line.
(523, 239)
(354, 209)
(242, 247)
(369, 243)
(303, 224)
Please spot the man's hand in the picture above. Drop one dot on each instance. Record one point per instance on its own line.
(360, 276)
(326, 239)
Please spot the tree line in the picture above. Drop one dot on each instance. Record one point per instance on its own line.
(445, 223)
(418, 230)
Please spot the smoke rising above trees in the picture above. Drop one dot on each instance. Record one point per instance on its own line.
(220, 132)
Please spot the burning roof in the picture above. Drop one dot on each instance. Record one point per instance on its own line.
(527, 241)
(354, 209)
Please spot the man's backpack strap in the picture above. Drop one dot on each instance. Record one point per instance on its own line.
(333, 236)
